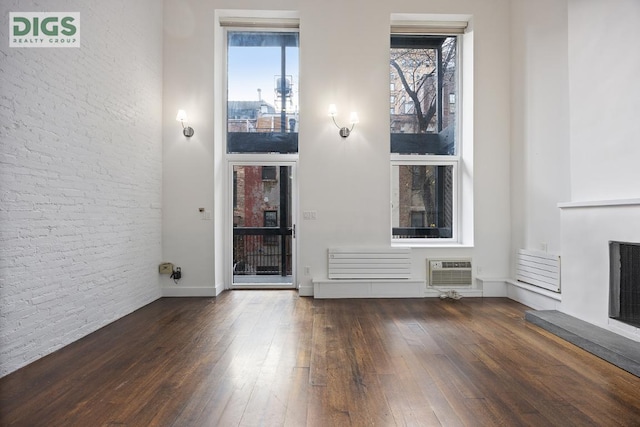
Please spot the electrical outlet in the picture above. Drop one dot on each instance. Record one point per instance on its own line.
(165, 268)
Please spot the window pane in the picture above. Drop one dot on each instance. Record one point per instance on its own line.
(262, 222)
(423, 71)
(270, 218)
(262, 92)
(269, 173)
(423, 201)
(261, 202)
(417, 219)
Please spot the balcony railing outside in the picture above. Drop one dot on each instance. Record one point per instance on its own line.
(421, 232)
(261, 254)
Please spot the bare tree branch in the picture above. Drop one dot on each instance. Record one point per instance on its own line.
(422, 124)
(413, 62)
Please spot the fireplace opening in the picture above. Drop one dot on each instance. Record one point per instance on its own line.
(624, 282)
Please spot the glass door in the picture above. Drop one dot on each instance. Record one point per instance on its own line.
(263, 226)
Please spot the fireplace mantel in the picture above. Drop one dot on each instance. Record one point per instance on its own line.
(587, 227)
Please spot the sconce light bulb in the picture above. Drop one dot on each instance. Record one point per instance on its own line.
(344, 131)
(182, 116)
(186, 130)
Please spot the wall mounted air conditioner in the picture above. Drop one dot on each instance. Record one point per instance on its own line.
(449, 272)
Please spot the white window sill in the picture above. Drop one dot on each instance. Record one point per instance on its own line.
(431, 245)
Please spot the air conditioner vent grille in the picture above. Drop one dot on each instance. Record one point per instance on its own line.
(456, 264)
(448, 273)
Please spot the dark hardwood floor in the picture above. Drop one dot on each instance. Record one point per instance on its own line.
(271, 358)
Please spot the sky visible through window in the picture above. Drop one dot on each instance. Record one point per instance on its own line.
(253, 68)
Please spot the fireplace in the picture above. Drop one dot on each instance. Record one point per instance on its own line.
(624, 282)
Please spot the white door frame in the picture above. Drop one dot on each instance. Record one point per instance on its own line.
(260, 160)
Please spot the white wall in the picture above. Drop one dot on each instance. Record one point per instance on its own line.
(540, 166)
(605, 99)
(188, 173)
(80, 176)
(344, 57)
(574, 125)
(605, 102)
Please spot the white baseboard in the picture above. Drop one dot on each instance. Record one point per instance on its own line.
(305, 290)
(338, 288)
(533, 296)
(492, 287)
(529, 295)
(465, 292)
(219, 289)
(175, 291)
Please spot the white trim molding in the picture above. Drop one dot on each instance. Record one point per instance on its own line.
(599, 203)
(175, 291)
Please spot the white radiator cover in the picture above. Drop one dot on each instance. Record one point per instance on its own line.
(450, 272)
(369, 263)
(539, 269)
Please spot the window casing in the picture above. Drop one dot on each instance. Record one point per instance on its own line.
(424, 134)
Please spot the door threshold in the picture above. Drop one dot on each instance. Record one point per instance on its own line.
(265, 286)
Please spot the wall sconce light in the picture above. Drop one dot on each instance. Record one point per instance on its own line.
(353, 119)
(182, 117)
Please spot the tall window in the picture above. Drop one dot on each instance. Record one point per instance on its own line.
(262, 92)
(424, 135)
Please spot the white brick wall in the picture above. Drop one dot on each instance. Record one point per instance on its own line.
(80, 176)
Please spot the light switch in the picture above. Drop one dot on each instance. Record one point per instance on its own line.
(204, 214)
(309, 215)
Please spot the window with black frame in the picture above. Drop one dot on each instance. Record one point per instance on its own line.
(423, 72)
(262, 92)
(423, 201)
(423, 134)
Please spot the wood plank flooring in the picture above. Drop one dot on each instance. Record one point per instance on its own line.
(271, 358)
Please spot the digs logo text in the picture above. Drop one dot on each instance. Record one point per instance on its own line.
(44, 29)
